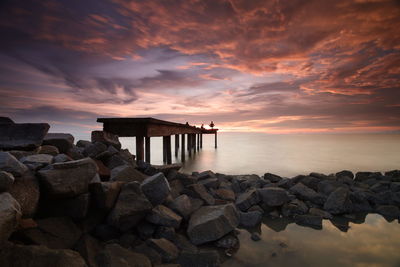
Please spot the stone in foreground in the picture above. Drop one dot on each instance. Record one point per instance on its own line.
(156, 188)
(338, 202)
(210, 223)
(10, 215)
(63, 141)
(107, 138)
(161, 215)
(6, 180)
(22, 136)
(166, 248)
(116, 256)
(10, 164)
(273, 196)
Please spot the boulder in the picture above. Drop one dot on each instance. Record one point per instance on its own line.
(229, 241)
(273, 196)
(22, 136)
(247, 199)
(362, 176)
(83, 143)
(293, 208)
(10, 215)
(49, 150)
(10, 164)
(106, 138)
(75, 153)
(40, 159)
(35, 256)
(131, 207)
(126, 173)
(210, 182)
(272, 177)
(250, 219)
(388, 211)
(199, 191)
(168, 251)
(161, 215)
(314, 221)
(326, 187)
(94, 149)
(225, 194)
(105, 194)
(209, 258)
(345, 173)
(149, 252)
(6, 120)
(63, 141)
(182, 205)
(116, 256)
(61, 158)
(209, 223)
(339, 202)
(319, 212)
(6, 181)
(74, 207)
(88, 247)
(156, 188)
(305, 193)
(68, 179)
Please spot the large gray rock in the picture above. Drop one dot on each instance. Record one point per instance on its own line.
(38, 256)
(161, 215)
(126, 173)
(182, 205)
(210, 223)
(40, 159)
(305, 193)
(106, 138)
(50, 150)
(6, 180)
(10, 164)
(225, 194)
(293, 208)
(116, 256)
(326, 187)
(105, 194)
(200, 191)
(273, 196)
(10, 215)
(22, 136)
(247, 199)
(63, 141)
(388, 211)
(314, 221)
(95, 149)
(156, 188)
(250, 219)
(68, 179)
(339, 202)
(131, 207)
(169, 252)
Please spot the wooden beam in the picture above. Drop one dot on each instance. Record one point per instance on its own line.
(147, 149)
(176, 144)
(139, 148)
(183, 148)
(169, 153)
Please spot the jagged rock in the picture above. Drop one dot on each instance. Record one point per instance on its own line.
(293, 208)
(105, 232)
(228, 241)
(361, 176)
(345, 174)
(26, 191)
(165, 169)
(247, 199)
(94, 149)
(182, 205)
(338, 202)
(206, 174)
(61, 158)
(210, 223)
(273, 196)
(388, 211)
(314, 221)
(105, 194)
(35, 256)
(326, 187)
(199, 191)
(319, 212)
(41, 159)
(116, 256)
(249, 219)
(106, 138)
(88, 247)
(305, 193)
(10, 164)
(168, 251)
(210, 182)
(122, 158)
(395, 187)
(209, 258)
(74, 207)
(131, 207)
(311, 181)
(225, 194)
(272, 177)
(126, 173)
(54, 232)
(83, 143)
(6, 181)
(161, 215)
(156, 188)
(166, 232)
(75, 153)
(50, 150)
(22, 136)
(68, 179)
(63, 141)
(10, 215)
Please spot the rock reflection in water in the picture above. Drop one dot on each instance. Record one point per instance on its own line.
(363, 240)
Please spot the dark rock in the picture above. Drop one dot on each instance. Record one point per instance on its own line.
(256, 208)
(293, 208)
(314, 221)
(131, 207)
(247, 199)
(166, 232)
(285, 183)
(22, 136)
(228, 241)
(83, 143)
(40, 159)
(161, 215)
(94, 149)
(156, 188)
(339, 202)
(360, 201)
(49, 150)
(183, 243)
(250, 219)
(165, 169)
(272, 177)
(199, 191)
(305, 193)
(210, 223)
(38, 256)
(75, 207)
(273, 196)
(388, 211)
(361, 176)
(10, 164)
(395, 186)
(311, 182)
(209, 258)
(103, 171)
(168, 251)
(63, 141)
(146, 230)
(182, 205)
(6, 120)
(326, 187)
(106, 138)
(129, 240)
(345, 173)
(340, 223)
(26, 191)
(88, 247)
(210, 182)
(126, 173)
(75, 153)
(206, 175)
(255, 236)
(105, 232)
(380, 187)
(116, 256)
(149, 252)
(6, 181)
(68, 179)
(321, 213)
(10, 215)
(105, 194)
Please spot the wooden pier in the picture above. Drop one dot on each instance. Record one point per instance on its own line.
(145, 128)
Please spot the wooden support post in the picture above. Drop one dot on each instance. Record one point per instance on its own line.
(215, 139)
(183, 147)
(176, 144)
(164, 139)
(201, 140)
(169, 153)
(147, 149)
(198, 141)
(194, 143)
(189, 144)
(139, 148)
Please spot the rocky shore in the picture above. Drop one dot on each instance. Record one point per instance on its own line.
(90, 203)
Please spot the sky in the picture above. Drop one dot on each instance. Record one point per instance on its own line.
(279, 66)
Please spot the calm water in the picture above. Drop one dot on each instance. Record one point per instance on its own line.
(374, 242)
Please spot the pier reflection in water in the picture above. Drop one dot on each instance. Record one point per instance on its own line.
(360, 241)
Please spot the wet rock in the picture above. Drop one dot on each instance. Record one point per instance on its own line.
(293, 208)
(305, 193)
(10, 215)
(321, 213)
(63, 141)
(225, 194)
(88, 247)
(339, 202)
(131, 207)
(210, 223)
(161, 215)
(21, 256)
(273, 196)
(168, 251)
(156, 188)
(94, 149)
(116, 256)
(314, 221)
(26, 191)
(6, 181)
(50, 150)
(388, 211)
(250, 219)
(10, 164)
(126, 173)
(199, 191)
(182, 205)
(106, 138)
(68, 179)
(247, 199)
(105, 194)
(209, 258)
(22, 136)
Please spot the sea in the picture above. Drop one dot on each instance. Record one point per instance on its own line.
(367, 240)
